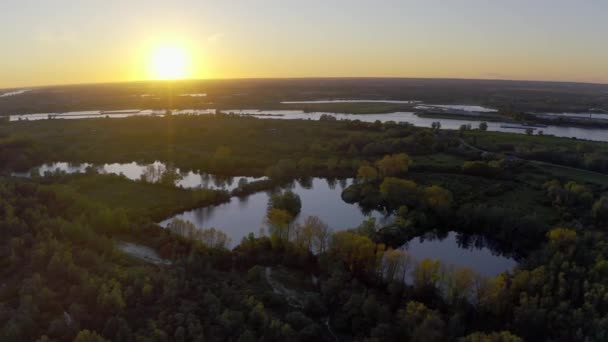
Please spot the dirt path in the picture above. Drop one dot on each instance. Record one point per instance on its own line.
(292, 297)
(143, 253)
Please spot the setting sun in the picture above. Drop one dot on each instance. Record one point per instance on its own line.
(169, 63)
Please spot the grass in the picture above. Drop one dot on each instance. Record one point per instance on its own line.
(496, 141)
(575, 175)
(155, 200)
(437, 161)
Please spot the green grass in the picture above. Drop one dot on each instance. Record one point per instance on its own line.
(493, 141)
(575, 175)
(437, 161)
(155, 200)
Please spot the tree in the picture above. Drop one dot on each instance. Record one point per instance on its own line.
(367, 173)
(420, 323)
(222, 158)
(357, 252)
(438, 198)
(285, 168)
(561, 237)
(89, 336)
(600, 209)
(459, 283)
(393, 165)
(396, 265)
(279, 222)
(529, 131)
(436, 125)
(287, 201)
(313, 235)
(479, 168)
(213, 238)
(483, 126)
(398, 192)
(503, 336)
(426, 274)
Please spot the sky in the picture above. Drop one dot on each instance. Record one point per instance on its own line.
(88, 41)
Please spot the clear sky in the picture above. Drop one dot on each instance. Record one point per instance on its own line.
(81, 41)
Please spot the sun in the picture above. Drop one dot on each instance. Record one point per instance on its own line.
(169, 63)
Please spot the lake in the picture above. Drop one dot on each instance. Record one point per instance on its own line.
(134, 171)
(322, 198)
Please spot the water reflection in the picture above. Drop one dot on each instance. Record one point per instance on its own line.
(151, 172)
(462, 250)
(245, 215)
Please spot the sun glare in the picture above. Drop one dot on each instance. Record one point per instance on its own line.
(169, 63)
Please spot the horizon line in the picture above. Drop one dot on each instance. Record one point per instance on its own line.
(301, 78)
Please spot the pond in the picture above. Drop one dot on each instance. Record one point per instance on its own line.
(241, 216)
(322, 198)
(135, 171)
(461, 251)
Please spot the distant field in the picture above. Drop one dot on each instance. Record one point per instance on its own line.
(268, 93)
(145, 198)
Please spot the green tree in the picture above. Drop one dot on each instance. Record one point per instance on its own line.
(393, 165)
(427, 273)
(600, 209)
(89, 336)
(279, 222)
(367, 173)
(287, 201)
(438, 198)
(313, 235)
(357, 252)
(561, 237)
(503, 336)
(398, 192)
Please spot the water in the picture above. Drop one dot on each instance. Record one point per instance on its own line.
(193, 95)
(603, 116)
(322, 198)
(455, 249)
(91, 114)
(467, 108)
(349, 101)
(14, 93)
(135, 171)
(241, 216)
(596, 134)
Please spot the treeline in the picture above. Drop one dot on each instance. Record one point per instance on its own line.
(221, 144)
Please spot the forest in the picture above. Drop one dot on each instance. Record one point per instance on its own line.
(66, 274)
